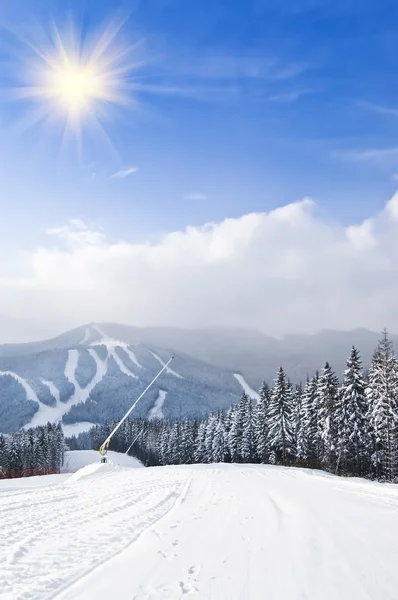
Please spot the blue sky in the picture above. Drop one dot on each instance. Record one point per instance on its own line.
(235, 107)
(252, 104)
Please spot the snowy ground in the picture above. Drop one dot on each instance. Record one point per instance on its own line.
(210, 532)
(76, 459)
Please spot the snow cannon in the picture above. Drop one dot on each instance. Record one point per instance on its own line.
(104, 448)
(103, 451)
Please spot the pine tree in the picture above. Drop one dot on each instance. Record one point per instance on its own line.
(351, 419)
(210, 432)
(200, 448)
(300, 431)
(235, 432)
(280, 419)
(382, 398)
(174, 445)
(307, 432)
(328, 393)
(260, 418)
(218, 444)
(247, 447)
(3, 456)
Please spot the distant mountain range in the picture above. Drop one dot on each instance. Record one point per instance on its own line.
(94, 373)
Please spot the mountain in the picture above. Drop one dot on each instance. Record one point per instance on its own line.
(94, 372)
(87, 376)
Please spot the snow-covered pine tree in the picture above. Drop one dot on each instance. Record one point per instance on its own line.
(328, 394)
(300, 431)
(353, 443)
(296, 414)
(247, 447)
(218, 444)
(382, 398)
(227, 423)
(280, 415)
(307, 437)
(235, 432)
(3, 455)
(187, 442)
(200, 447)
(260, 418)
(210, 432)
(174, 445)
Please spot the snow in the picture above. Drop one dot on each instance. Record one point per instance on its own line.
(165, 532)
(157, 411)
(76, 459)
(246, 387)
(76, 428)
(55, 413)
(30, 393)
(121, 364)
(44, 413)
(168, 369)
(53, 389)
(132, 356)
(86, 337)
(111, 344)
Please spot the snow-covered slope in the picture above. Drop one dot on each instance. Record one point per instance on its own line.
(99, 377)
(76, 459)
(114, 532)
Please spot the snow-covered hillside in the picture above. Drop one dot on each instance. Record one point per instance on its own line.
(77, 459)
(224, 532)
(98, 377)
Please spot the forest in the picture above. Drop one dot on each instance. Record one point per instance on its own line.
(36, 451)
(346, 427)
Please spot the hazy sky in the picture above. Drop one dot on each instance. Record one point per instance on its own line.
(239, 168)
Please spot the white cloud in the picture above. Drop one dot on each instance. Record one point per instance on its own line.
(124, 173)
(383, 110)
(283, 271)
(291, 96)
(195, 196)
(380, 156)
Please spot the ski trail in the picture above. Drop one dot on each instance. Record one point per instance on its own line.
(168, 369)
(37, 557)
(55, 413)
(156, 411)
(111, 344)
(71, 366)
(54, 391)
(164, 532)
(86, 337)
(30, 393)
(132, 356)
(44, 412)
(246, 387)
(76, 428)
(121, 364)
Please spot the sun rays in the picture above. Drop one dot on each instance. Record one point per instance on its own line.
(73, 79)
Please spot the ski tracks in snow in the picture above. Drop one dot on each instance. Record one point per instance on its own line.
(211, 531)
(56, 535)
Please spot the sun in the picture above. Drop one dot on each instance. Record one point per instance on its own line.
(75, 79)
(75, 87)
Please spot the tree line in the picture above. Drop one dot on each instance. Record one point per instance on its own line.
(347, 426)
(36, 451)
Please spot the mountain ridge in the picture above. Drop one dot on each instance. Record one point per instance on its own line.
(94, 372)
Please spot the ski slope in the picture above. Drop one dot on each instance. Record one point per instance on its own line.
(228, 532)
(246, 387)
